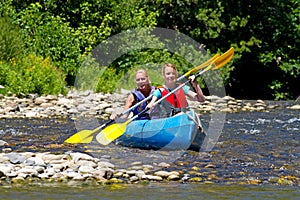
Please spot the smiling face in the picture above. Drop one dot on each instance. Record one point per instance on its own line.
(141, 79)
(170, 75)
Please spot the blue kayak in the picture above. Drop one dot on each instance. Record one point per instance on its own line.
(182, 131)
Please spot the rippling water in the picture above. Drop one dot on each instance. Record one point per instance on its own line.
(254, 147)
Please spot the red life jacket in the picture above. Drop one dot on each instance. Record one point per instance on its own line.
(177, 99)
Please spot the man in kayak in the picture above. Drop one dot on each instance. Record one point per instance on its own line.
(177, 101)
(142, 91)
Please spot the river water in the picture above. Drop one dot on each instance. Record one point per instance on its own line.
(256, 156)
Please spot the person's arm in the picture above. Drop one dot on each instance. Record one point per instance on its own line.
(128, 104)
(153, 100)
(198, 94)
(156, 95)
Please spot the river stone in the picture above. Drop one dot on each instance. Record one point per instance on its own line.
(147, 167)
(103, 106)
(162, 173)
(195, 179)
(140, 173)
(134, 178)
(118, 174)
(52, 157)
(86, 169)
(173, 177)
(3, 158)
(81, 156)
(152, 177)
(18, 180)
(3, 143)
(5, 169)
(40, 100)
(163, 164)
(78, 177)
(104, 164)
(136, 163)
(131, 172)
(36, 161)
(31, 114)
(46, 105)
(39, 169)
(44, 176)
(294, 107)
(125, 175)
(29, 171)
(87, 163)
(71, 174)
(137, 167)
(105, 173)
(57, 167)
(50, 171)
(15, 158)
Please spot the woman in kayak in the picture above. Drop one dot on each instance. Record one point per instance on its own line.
(142, 91)
(177, 101)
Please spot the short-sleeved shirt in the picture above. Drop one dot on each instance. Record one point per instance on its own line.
(158, 95)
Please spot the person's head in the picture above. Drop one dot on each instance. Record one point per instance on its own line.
(169, 73)
(141, 78)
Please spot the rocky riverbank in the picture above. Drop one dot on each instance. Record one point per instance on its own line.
(24, 167)
(27, 167)
(89, 104)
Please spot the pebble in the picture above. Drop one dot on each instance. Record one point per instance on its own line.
(89, 104)
(19, 168)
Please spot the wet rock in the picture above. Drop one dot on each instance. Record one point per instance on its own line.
(162, 173)
(35, 161)
(173, 176)
(5, 169)
(210, 166)
(163, 165)
(134, 178)
(294, 107)
(15, 158)
(18, 180)
(196, 179)
(85, 169)
(3, 143)
(152, 178)
(89, 104)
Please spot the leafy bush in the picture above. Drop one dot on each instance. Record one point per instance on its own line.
(11, 44)
(50, 36)
(32, 74)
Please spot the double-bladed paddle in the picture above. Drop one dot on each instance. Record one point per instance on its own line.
(86, 136)
(112, 132)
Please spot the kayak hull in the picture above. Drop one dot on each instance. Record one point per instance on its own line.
(182, 131)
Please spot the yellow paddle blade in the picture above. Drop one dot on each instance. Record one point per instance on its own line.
(79, 137)
(223, 59)
(85, 136)
(202, 65)
(111, 133)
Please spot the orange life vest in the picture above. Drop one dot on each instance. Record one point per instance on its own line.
(177, 99)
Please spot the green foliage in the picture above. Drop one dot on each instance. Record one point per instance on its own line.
(265, 35)
(108, 80)
(49, 36)
(31, 74)
(90, 36)
(88, 75)
(11, 43)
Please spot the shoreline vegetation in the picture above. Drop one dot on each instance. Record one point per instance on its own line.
(32, 167)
